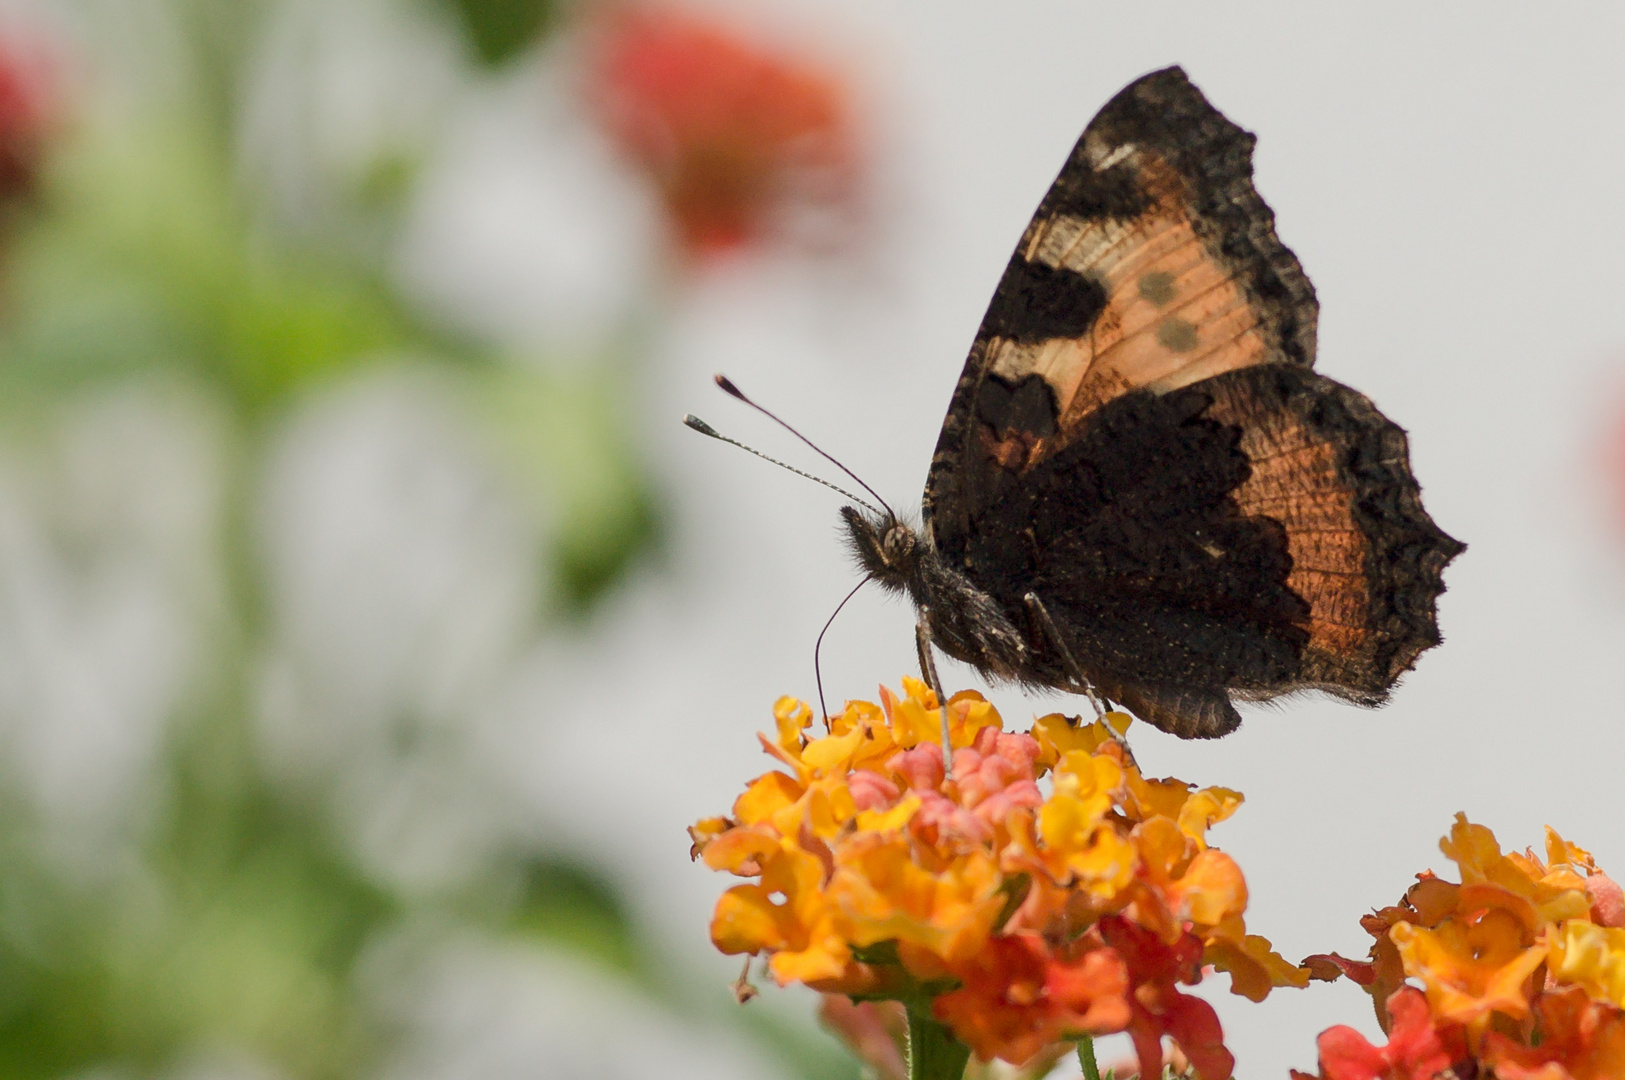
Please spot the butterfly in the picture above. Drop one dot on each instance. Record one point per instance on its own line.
(1142, 490)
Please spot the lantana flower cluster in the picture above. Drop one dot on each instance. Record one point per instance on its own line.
(1040, 891)
(1517, 972)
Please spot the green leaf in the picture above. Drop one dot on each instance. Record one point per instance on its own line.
(1086, 1058)
(499, 30)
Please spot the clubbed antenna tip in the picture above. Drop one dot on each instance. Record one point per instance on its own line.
(727, 386)
(700, 425)
(692, 421)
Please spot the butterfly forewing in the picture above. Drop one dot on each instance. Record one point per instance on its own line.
(1151, 262)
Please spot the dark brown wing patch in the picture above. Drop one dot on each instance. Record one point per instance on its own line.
(1151, 262)
(1163, 589)
(1253, 535)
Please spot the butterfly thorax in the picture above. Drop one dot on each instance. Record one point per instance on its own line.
(965, 622)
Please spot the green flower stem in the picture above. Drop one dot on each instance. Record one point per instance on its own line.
(1086, 1058)
(933, 1052)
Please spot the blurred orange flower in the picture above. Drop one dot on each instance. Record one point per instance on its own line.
(737, 138)
(1020, 920)
(1520, 966)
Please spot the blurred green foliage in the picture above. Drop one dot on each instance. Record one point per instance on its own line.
(499, 30)
(240, 927)
(239, 917)
(143, 257)
(553, 427)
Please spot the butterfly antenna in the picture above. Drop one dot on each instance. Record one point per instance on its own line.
(706, 429)
(818, 674)
(731, 390)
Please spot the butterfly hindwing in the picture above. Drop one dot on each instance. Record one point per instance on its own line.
(1254, 534)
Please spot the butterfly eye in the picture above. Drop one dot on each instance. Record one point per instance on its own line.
(899, 543)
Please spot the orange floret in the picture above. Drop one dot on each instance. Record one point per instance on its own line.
(1017, 997)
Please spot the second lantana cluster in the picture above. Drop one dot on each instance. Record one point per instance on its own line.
(1039, 891)
(1517, 972)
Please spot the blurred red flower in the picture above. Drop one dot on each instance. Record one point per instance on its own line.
(27, 108)
(739, 140)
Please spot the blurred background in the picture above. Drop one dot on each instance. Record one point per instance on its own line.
(370, 629)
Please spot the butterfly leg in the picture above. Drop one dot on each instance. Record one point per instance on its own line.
(928, 671)
(1041, 616)
(1052, 634)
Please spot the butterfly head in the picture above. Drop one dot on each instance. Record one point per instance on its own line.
(888, 550)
